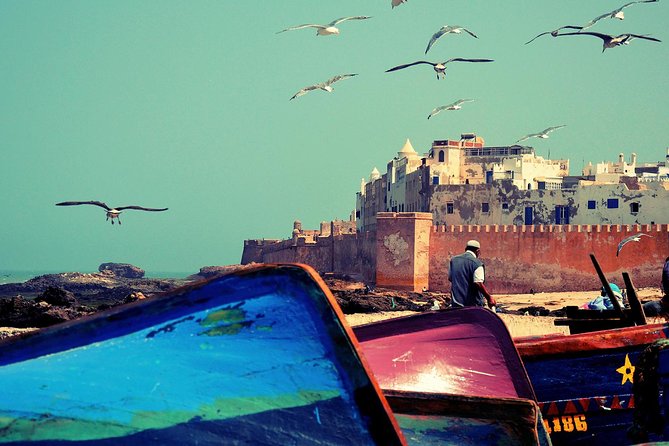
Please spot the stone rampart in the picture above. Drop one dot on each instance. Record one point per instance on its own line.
(408, 252)
(552, 257)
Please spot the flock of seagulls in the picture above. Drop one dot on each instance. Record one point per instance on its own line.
(112, 213)
(610, 41)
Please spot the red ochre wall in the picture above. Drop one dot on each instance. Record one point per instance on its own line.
(553, 257)
(517, 258)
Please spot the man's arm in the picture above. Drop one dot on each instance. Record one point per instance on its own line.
(486, 294)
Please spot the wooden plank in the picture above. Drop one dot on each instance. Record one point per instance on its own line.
(637, 309)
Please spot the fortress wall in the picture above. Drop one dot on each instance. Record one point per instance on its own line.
(552, 257)
(408, 252)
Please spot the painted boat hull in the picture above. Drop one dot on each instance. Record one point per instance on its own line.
(464, 364)
(583, 382)
(258, 357)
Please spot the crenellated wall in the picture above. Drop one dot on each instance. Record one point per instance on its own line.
(408, 252)
(552, 257)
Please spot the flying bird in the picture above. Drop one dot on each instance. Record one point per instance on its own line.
(394, 3)
(617, 13)
(554, 33)
(325, 86)
(112, 213)
(631, 238)
(447, 30)
(611, 41)
(542, 134)
(457, 105)
(439, 67)
(326, 30)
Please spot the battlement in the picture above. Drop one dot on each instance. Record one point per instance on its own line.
(615, 229)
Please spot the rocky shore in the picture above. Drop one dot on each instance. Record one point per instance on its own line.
(54, 298)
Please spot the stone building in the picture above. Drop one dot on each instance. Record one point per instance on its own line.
(465, 182)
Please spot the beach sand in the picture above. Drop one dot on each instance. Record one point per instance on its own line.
(523, 325)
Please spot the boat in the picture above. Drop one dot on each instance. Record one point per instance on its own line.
(584, 382)
(464, 364)
(261, 356)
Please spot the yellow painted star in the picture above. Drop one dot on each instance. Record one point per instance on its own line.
(627, 371)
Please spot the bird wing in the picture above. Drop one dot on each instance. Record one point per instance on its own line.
(554, 32)
(436, 36)
(604, 37)
(461, 101)
(308, 25)
(550, 129)
(399, 67)
(76, 203)
(641, 36)
(469, 32)
(394, 3)
(460, 59)
(437, 110)
(645, 235)
(525, 137)
(343, 19)
(537, 36)
(304, 91)
(338, 77)
(140, 208)
(597, 19)
(631, 3)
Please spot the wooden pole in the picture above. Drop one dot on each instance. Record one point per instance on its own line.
(607, 288)
(633, 299)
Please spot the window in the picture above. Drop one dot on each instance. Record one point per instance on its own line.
(612, 203)
(592, 204)
(441, 156)
(541, 185)
(449, 208)
(634, 208)
(485, 207)
(505, 206)
(435, 180)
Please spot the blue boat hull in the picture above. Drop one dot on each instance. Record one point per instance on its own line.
(260, 357)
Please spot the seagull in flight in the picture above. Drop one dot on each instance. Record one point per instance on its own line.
(325, 86)
(447, 30)
(542, 134)
(555, 32)
(439, 67)
(611, 41)
(457, 105)
(394, 3)
(617, 13)
(112, 213)
(326, 30)
(631, 238)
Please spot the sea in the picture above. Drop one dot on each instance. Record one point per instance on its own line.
(9, 276)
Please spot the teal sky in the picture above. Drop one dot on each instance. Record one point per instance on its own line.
(185, 104)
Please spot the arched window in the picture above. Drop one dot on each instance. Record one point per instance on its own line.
(441, 156)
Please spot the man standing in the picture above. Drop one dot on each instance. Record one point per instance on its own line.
(467, 276)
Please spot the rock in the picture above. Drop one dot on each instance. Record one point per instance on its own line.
(22, 313)
(134, 297)
(207, 272)
(57, 297)
(125, 270)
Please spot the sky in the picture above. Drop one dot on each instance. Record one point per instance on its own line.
(185, 105)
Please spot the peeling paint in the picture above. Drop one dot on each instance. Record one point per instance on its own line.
(397, 246)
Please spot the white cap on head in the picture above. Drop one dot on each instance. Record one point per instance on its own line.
(473, 244)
